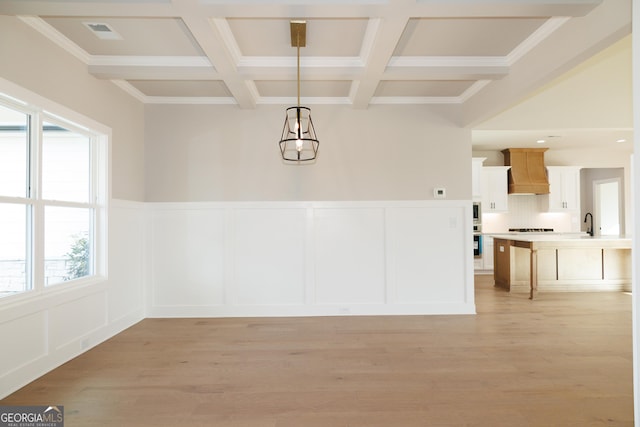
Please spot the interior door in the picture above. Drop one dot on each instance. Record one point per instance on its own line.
(607, 207)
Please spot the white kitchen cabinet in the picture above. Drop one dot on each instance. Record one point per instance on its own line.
(485, 262)
(476, 178)
(487, 252)
(495, 197)
(564, 189)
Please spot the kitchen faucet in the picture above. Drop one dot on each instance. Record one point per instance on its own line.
(589, 228)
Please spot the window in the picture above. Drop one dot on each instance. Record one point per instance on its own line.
(51, 200)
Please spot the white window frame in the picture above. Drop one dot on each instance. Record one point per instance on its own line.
(42, 110)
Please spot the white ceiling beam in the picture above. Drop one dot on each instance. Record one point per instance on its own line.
(206, 20)
(446, 68)
(152, 73)
(382, 46)
(152, 67)
(312, 68)
(301, 8)
(498, 9)
(446, 73)
(124, 8)
(213, 44)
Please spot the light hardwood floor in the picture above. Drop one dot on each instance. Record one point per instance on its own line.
(563, 359)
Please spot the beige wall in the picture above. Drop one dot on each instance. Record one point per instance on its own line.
(220, 153)
(34, 63)
(212, 153)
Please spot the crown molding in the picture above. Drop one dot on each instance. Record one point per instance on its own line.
(55, 36)
(303, 101)
(203, 100)
(306, 62)
(149, 61)
(448, 61)
(544, 31)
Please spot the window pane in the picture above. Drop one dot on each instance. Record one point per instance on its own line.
(13, 249)
(14, 144)
(65, 165)
(67, 243)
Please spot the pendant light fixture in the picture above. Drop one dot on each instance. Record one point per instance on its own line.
(298, 142)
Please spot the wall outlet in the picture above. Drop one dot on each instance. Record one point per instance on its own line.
(439, 193)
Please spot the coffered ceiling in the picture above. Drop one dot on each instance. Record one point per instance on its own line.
(357, 53)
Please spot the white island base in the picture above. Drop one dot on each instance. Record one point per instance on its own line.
(561, 263)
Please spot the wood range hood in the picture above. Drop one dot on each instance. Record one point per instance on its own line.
(528, 174)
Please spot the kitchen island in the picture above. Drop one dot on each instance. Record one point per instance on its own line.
(561, 262)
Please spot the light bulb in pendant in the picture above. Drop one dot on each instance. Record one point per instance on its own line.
(298, 132)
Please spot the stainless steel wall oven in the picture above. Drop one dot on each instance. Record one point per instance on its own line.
(477, 245)
(477, 230)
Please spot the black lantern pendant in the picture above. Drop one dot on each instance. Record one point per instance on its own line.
(298, 142)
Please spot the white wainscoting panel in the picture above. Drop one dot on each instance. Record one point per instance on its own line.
(65, 330)
(126, 262)
(188, 247)
(424, 254)
(24, 341)
(349, 256)
(268, 256)
(45, 328)
(310, 258)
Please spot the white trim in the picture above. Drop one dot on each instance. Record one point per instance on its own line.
(329, 204)
(40, 103)
(544, 31)
(301, 2)
(55, 36)
(149, 61)
(317, 310)
(204, 100)
(228, 39)
(468, 93)
(305, 62)
(473, 89)
(414, 100)
(448, 61)
(41, 109)
(369, 38)
(253, 89)
(274, 100)
(131, 90)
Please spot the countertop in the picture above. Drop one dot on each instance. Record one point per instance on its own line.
(546, 237)
(566, 239)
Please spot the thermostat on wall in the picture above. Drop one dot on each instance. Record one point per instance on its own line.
(439, 193)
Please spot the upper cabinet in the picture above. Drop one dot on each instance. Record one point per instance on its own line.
(495, 196)
(476, 178)
(564, 189)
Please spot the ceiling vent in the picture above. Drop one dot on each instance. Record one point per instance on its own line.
(528, 174)
(102, 31)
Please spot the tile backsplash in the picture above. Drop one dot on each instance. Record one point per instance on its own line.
(524, 212)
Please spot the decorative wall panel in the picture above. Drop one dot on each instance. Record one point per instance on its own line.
(310, 258)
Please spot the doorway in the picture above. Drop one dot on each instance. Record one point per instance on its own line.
(607, 206)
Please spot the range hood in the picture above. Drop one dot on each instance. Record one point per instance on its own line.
(528, 174)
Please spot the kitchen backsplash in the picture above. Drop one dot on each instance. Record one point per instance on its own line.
(524, 212)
